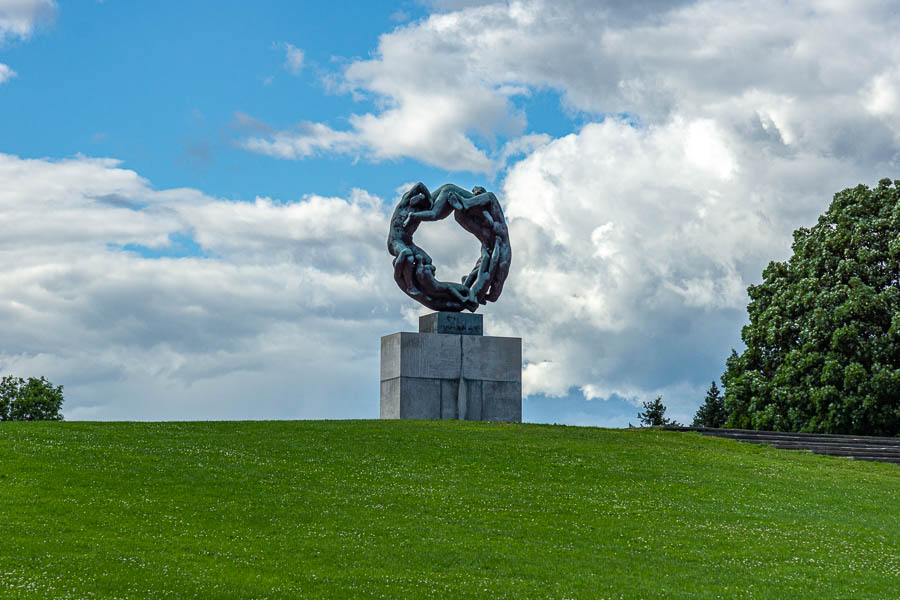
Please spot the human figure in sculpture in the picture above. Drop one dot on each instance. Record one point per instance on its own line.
(400, 242)
(445, 200)
(400, 236)
(413, 268)
(482, 216)
(437, 291)
(479, 213)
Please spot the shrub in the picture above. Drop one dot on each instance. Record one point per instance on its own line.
(31, 400)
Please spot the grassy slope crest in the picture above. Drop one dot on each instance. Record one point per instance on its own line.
(424, 509)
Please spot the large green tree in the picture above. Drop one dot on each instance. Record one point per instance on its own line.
(823, 343)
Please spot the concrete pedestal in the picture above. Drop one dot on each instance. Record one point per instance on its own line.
(451, 375)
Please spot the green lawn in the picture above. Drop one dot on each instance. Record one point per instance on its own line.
(424, 509)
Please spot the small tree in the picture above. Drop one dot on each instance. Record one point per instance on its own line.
(712, 412)
(31, 400)
(654, 414)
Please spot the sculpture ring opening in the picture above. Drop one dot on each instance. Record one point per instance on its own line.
(479, 213)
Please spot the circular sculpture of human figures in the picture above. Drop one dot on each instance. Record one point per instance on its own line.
(479, 213)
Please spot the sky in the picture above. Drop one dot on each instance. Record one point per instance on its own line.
(194, 196)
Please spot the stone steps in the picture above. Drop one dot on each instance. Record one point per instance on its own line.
(857, 447)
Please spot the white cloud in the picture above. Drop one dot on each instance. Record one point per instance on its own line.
(18, 18)
(882, 97)
(307, 139)
(293, 59)
(281, 318)
(430, 104)
(6, 73)
(789, 71)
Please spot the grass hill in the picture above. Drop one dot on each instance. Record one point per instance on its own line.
(425, 509)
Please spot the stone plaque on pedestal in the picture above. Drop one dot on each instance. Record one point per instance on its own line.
(451, 322)
(458, 375)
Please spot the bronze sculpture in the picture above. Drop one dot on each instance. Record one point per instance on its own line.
(479, 213)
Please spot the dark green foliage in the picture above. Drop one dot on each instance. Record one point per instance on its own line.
(712, 412)
(654, 414)
(31, 400)
(823, 343)
(9, 389)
